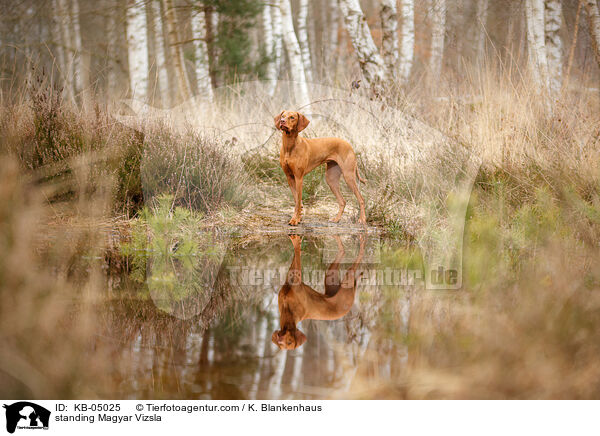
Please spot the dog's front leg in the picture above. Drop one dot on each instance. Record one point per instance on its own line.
(292, 183)
(298, 198)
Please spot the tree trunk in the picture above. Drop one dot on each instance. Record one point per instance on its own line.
(554, 49)
(480, 36)
(536, 46)
(160, 52)
(268, 29)
(185, 91)
(277, 35)
(88, 20)
(294, 55)
(594, 23)
(57, 36)
(438, 32)
(76, 45)
(407, 45)
(210, 44)
(371, 63)
(111, 39)
(62, 13)
(303, 39)
(389, 42)
(202, 70)
(138, 50)
(334, 38)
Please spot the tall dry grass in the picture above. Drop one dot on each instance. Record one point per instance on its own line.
(524, 325)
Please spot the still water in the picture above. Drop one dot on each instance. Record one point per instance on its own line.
(281, 317)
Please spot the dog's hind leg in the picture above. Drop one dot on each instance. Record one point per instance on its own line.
(332, 276)
(350, 177)
(332, 177)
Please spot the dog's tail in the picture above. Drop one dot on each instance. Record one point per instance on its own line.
(359, 177)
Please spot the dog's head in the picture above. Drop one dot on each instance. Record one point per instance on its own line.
(290, 121)
(288, 339)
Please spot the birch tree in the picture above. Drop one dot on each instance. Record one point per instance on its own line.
(292, 48)
(76, 44)
(438, 32)
(111, 77)
(591, 8)
(86, 18)
(481, 14)
(185, 91)
(303, 39)
(554, 49)
(63, 17)
(201, 52)
(536, 46)
(371, 62)
(57, 37)
(160, 54)
(138, 50)
(407, 45)
(269, 30)
(277, 36)
(333, 27)
(389, 42)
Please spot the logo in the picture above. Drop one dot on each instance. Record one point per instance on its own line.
(26, 415)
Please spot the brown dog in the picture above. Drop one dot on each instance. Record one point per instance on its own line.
(298, 301)
(299, 156)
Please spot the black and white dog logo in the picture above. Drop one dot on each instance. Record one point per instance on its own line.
(26, 415)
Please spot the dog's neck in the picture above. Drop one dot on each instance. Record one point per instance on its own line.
(288, 319)
(289, 140)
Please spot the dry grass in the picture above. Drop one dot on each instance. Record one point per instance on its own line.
(525, 324)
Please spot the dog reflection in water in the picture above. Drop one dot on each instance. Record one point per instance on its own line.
(298, 301)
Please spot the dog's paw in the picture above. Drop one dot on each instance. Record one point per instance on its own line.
(294, 221)
(334, 220)
(296, 239)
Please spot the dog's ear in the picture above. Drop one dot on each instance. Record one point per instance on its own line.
(302, 122)
(300, 338)
(276, 120)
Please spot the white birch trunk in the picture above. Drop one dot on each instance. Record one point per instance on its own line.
(160, 54)
(85, 65)
(62, 14)
(333, 33)
(591, 8)
(214, 19)
(292, 48)
(389, 42)
(76, 46)
(137, 39)
(481, 17)
(111, 77)
(438, 32)
(271, 72)
(303, 39)
(554, 49)
(277, 36)
(185, 91)
(202, 70)
(57, 35)
(407, 45)
(538, 62)
(371, 63)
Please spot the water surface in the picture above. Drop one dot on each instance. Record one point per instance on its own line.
(203, 327)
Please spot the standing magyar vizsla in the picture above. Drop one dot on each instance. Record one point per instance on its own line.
(299, 156)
